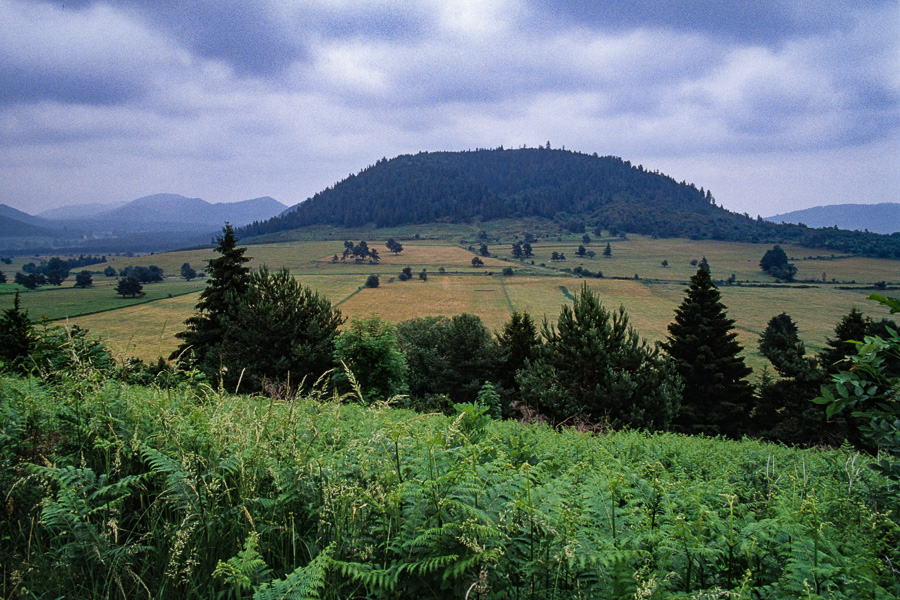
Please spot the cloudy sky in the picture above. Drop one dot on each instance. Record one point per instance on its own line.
(774, 105)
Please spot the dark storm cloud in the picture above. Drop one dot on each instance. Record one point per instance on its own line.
(758, 21)
(19, 84)
(245, 35)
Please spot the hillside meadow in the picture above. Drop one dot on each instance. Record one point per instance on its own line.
(634, 277)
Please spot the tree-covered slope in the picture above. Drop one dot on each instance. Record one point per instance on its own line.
(573, 188)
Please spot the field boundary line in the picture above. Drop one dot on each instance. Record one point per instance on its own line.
(104, 310)
(509, 303)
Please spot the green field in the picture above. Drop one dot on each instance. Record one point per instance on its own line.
(146, 327)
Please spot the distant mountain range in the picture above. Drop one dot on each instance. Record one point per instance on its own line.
(877, 218)
(579, 191)
(150, 223)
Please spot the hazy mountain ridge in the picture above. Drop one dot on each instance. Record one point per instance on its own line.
(878, 218)
(162, 220)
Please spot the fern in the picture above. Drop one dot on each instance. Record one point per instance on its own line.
(303, 583)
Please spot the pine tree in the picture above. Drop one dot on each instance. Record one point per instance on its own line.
(595, 366)
(228, 279)
(717, 396)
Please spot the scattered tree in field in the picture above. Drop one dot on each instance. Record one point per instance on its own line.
(717, 397)
(16, 337)
(228, 280)
(585, 239)
(527, 250)
(2, 277)
(30, 281)
(129, 287)
(581, 251)
(517, 251)
(405, 274)
(591, 254)
(477, 262)
(372, 281)
(110, 271)
(84, 279)
(151, 274)
(368, 348)
(423, 275)
(484, 250)
(594, 366)
(394, 246)
(775, 263)
(56, 270)
(665, 263)
(188, 272)
(360, 252)
(508, 272)
(607, 252)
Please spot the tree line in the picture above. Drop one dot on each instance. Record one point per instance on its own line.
(255, 329)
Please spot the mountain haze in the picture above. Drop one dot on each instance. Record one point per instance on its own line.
(877, 218)
(172, 212)
(577, 190)
(150, 223)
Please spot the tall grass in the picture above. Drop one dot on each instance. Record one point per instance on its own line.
(179, 491)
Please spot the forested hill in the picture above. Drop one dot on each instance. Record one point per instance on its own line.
(577, 190)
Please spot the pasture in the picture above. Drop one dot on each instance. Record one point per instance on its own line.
(146, 327)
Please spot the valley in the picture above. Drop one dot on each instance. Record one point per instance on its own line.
(633, 277)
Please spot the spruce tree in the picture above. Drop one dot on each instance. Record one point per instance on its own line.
(717, 396)
(228, 279)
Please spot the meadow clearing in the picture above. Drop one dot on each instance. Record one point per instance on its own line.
(634, 277)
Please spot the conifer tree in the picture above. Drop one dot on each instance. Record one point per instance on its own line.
(717, 396)
(595, 366)
(852, 327)
(16, 336)
(518, 343)
(228, 279)
(784, 411)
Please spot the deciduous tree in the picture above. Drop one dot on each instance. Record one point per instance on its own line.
(368, 347)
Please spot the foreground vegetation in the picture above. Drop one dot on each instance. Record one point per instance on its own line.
(177, 490)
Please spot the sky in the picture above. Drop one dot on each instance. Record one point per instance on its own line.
(773, 105)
